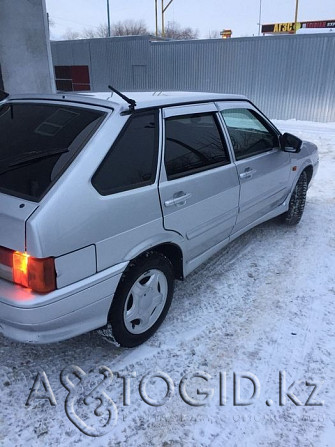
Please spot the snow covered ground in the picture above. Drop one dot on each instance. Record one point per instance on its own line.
(264, 304)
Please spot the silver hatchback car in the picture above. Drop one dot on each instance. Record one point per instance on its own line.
(106, 200)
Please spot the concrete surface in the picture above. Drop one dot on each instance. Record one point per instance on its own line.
(25, 55)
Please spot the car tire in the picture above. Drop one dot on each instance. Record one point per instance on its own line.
(142, 299)
(297, 202)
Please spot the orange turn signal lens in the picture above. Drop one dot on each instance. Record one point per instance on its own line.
(20, 268)
(37, 274)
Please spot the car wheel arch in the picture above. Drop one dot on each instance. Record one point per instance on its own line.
(309, 172)
(171, 250)
(175, 255)
(306, 167)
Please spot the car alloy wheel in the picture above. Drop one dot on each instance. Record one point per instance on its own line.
(145, 301)
(142, 299)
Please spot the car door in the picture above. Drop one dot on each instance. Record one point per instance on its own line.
(199, 187)
(263, 168)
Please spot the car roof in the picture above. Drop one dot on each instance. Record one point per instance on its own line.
(144, 100)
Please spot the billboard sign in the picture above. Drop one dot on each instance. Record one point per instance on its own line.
(290, 27)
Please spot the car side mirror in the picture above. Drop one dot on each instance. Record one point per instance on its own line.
(290, 143)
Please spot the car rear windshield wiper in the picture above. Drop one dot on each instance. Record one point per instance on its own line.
(28, 158)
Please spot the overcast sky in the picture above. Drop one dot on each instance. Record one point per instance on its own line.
(204, 15)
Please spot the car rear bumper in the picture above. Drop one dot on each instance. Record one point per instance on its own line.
(67, 312)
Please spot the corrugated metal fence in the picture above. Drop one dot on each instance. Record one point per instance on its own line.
(286, 76)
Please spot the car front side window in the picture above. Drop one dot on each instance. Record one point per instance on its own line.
(249, 133)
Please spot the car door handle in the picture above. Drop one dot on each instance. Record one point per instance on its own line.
(179, 200)
(248, 173)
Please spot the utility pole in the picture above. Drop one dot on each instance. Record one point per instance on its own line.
(163, 27)
(156, 16)
(163, 12)
(108, 20)
(296, 15)
(260, 17)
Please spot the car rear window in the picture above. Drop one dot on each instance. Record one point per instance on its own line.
(38, 141)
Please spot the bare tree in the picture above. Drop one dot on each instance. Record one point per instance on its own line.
(130, 28)
(91, 33)
(71, 35)
(175, 31)
(126, 28)
(213, 34)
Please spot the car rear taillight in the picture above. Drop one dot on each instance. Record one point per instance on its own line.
(35, 273)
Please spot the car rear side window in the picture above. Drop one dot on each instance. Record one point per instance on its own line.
(37, 143)
(249, 133)
(193, 143)
(132, 160)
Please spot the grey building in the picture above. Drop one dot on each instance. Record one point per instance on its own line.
(288, 76)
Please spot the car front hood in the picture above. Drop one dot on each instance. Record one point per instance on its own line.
(13, 215)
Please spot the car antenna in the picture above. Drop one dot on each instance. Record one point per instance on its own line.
(131, 102)
(3, 95)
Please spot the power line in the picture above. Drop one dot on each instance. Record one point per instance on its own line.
(164, 8)
(72, 21)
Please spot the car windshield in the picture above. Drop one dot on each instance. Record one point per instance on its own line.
(38, 141)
